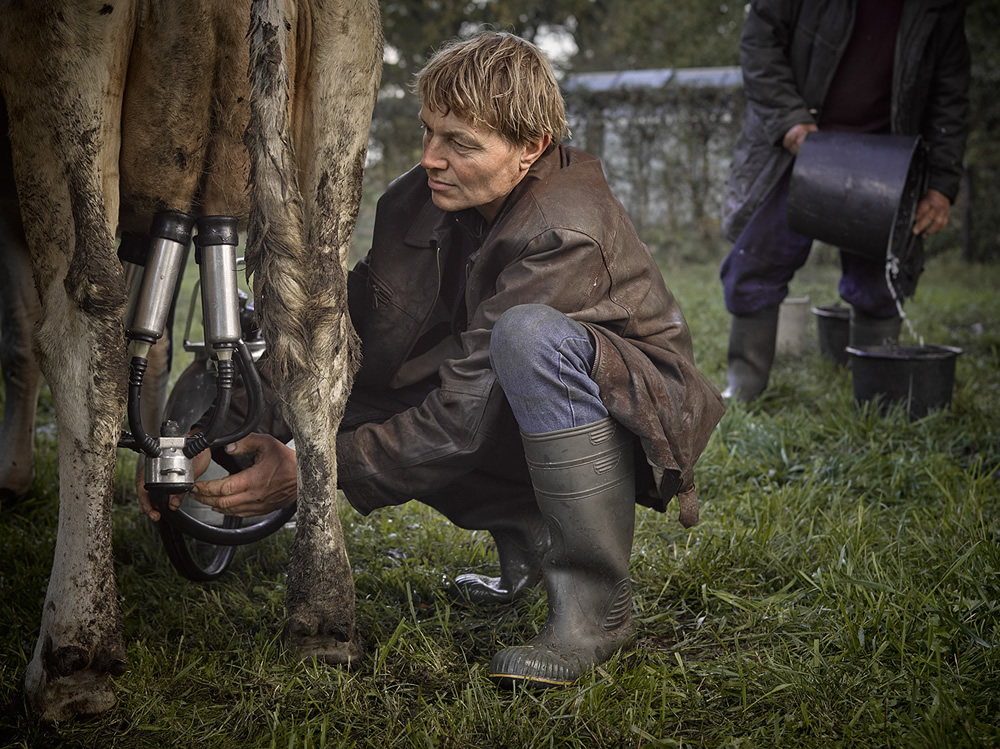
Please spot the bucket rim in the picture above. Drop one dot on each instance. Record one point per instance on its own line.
(903, 216)
(927, 352)
(832, 310)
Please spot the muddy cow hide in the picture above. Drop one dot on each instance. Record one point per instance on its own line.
(19, 313)
(122, 108)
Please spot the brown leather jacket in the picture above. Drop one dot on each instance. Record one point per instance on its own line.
(561, 239)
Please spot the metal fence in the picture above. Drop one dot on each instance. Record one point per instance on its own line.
(666, 138)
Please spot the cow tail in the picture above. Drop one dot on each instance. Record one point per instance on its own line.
(306, 167)
(276, 232)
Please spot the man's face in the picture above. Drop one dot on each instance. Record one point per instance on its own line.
(470, 167)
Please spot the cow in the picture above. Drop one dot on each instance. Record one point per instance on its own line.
(119, 109)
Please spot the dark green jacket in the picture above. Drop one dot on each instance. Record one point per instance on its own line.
(789, 52)
(561, 239)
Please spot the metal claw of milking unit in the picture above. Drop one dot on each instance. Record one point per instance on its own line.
(169, 458)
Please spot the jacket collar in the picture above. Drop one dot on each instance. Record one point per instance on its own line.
(428, 228)
(555, 158)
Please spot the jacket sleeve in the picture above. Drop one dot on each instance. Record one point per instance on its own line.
(461, 423)
(944, 125)
(768, 79)
(425, 448)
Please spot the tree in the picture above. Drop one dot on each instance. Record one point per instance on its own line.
(627, 35)
(414, 28)
(981, 228)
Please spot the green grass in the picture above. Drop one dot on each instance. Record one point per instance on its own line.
(841, 589)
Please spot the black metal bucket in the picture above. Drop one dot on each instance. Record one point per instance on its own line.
(920, 377)
(833, 325)
(858, 191)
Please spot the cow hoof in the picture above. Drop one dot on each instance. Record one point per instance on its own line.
(10, 497)
(330, 648)
(13, 491)
(330, 652)
(83, 693)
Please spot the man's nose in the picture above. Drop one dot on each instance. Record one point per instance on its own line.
(431, 158)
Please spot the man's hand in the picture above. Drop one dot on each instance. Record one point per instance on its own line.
(932, 214)
(269, 484)
(201, 462)
(794, 137)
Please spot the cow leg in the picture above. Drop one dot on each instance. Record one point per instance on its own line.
(300, 229)
(80, 641)
(19, 311)
(62, 71)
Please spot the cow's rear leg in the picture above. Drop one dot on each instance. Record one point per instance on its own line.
(80, 346)
(298, 240)
(80, 641)
(62, 70)
(19, 311)
(320, 599)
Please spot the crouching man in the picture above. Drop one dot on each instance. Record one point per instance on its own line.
(525, 369)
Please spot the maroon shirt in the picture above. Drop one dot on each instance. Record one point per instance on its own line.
(860, 95)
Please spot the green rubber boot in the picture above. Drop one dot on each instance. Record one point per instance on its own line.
(752, 339)
(585, 486)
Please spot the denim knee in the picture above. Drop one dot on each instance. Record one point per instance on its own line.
(543, 359)
(522, 331)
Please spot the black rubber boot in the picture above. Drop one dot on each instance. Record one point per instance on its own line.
(508, 510)
(873, 331)
(751, 352)
(521, 551)
(585, 486)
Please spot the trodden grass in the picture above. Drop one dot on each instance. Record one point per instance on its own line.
(841, 589)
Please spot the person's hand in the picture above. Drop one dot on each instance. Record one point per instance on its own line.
(269, 484)
(201, 462)
(932, 214)
(794, 137)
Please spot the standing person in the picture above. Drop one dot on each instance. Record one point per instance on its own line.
(866, 66)
(525, 370)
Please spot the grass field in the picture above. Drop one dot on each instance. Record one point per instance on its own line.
(841, 589)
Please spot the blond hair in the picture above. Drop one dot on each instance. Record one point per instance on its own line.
(495, 79)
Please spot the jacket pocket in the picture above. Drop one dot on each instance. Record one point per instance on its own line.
(379, 292)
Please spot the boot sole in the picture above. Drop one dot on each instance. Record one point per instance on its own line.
(509, 681)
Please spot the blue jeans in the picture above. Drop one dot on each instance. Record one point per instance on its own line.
(756, 273)
(543, 360)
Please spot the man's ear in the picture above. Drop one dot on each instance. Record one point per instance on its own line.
(534, 149)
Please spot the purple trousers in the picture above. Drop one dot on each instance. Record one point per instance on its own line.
(757, 270)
